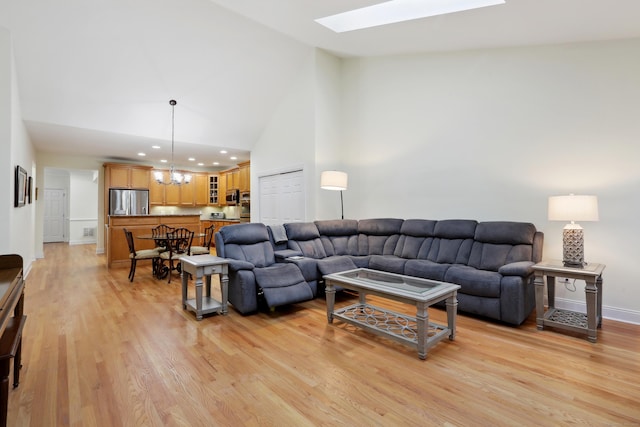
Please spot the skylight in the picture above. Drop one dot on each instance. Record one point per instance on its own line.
(394, 11)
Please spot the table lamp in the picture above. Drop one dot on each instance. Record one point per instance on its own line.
(573, 208)
(334, 180)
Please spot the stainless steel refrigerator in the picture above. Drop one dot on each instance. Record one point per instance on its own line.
(128, 202)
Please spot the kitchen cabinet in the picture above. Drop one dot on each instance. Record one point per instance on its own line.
(233, 179)
(192, 194)
(201, 189)
(187, 192)
(214, 193)
(218, 224)
(163, 194)
(117, 248)
(156, 191)
(126, 176)
(222, 189)
(244, 176)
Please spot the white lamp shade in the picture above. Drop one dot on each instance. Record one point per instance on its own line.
(573, 208)
(333, 180)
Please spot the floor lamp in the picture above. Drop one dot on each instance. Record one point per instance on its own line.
(336, 181)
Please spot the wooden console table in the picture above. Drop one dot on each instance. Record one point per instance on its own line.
(11, 323)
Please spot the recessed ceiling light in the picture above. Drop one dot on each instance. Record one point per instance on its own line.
(223, 151)
(141, 154)
(216, 163)
(163, 161)
(191, 159)
(155, 147)
(390, 12)
(200, 164)
(233, 158)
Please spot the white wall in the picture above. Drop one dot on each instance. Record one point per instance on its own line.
(288, 141)
(82, 196)
(304, 133)
(490, 134)
(54, 160)
(16, 224)
(83, 202)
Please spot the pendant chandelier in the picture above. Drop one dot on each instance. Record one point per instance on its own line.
(175, 177)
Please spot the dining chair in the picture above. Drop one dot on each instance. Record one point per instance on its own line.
(143, 254)
(178, 246)
(160, 231)
(205, 249)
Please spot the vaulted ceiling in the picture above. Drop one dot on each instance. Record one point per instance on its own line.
(95, 76)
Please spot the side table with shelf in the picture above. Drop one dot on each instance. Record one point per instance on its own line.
(203, 266)
(589, 322)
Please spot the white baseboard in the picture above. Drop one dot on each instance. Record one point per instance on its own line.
(613, 313)
(82, 242)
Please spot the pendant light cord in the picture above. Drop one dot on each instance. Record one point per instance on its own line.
(173, 112)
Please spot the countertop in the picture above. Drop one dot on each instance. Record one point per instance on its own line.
(152, 215)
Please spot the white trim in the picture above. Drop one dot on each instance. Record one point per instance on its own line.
(82, 242)
(82, 219)
(612, 313)
(281, 171)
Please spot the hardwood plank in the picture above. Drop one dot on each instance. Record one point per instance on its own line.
(101, 351)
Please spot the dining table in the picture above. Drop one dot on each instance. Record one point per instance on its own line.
(162, 240)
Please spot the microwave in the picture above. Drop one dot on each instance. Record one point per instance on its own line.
(232, 197)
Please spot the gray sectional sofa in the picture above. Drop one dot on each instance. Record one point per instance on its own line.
(491, 261)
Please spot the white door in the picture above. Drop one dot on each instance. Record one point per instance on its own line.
(54, 203)
(282, 198)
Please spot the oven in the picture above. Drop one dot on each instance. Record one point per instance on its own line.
(245, 207)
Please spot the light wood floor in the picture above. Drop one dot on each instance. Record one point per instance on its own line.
(100, 351)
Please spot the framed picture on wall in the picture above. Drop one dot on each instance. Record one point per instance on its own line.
(20, 187)
(29, 189)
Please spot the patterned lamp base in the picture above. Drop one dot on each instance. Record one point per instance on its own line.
(573, 246)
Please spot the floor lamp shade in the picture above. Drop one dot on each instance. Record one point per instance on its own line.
(333, 180)
(337, 181)
(573, 208)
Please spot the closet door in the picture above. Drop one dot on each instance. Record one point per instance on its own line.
(282, 198)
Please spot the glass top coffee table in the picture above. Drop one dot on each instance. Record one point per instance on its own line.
(416, 331)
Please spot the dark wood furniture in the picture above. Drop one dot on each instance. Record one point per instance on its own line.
(12, 322)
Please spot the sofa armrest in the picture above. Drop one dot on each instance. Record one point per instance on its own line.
(283, 254)
(236, 265)
(520, 268)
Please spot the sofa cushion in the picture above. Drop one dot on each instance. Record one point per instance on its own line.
(452, 242)
(388, 263)
(335, 264)
(282, 284)
(305, 238)
(505, 232)
(500, 243)
(425, 269)
(455, 229)
(339, 237)
(378, 236)
(246, 242)
(476, 282)
(416, 237)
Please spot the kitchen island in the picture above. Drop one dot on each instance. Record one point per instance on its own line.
(116, 243)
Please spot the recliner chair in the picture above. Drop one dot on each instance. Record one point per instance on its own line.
(253, 271)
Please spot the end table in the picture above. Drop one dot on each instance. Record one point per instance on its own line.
(547, 271)
(200, 266)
